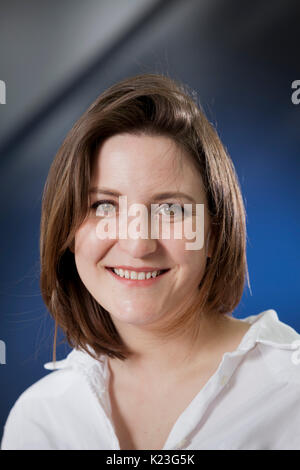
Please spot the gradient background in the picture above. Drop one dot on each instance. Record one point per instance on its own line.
(57, 57)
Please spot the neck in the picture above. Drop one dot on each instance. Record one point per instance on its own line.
(153, 355)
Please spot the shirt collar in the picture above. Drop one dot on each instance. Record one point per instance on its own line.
(266, 328)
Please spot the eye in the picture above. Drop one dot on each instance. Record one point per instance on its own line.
(172, 209)
(104, 207)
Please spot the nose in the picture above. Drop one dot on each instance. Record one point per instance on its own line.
(133, 244)
(138, 248)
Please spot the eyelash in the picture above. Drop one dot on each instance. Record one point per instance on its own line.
(106, 201)
(97, 203)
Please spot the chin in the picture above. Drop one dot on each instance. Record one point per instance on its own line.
(134, 319)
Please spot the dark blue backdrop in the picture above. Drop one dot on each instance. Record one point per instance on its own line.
(242, 72)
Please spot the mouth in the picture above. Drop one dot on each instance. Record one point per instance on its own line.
(137, 282)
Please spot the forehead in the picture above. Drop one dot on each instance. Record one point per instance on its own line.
(143, 164)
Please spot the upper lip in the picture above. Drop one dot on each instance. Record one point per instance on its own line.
(132, 268)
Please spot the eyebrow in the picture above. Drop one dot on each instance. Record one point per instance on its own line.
(155, 197)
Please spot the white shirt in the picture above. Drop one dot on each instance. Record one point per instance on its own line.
(252, 401)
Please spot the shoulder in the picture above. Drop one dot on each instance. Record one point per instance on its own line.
(279, 347)
(55, 403)
(53, 385)
(33, 420)
(282, 363)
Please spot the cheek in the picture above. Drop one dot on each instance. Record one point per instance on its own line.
(189, 261)
(88, 248)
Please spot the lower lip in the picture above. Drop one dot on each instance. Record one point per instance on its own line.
(134, 282)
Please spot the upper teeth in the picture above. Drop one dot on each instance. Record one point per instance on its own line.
(135, 275)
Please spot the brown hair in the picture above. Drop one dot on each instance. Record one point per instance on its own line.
(156, 105)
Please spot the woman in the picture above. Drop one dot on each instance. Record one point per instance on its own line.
(158, 360)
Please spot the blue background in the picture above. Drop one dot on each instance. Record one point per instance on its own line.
(242, 64)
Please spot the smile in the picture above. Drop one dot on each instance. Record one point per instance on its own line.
(136, 278)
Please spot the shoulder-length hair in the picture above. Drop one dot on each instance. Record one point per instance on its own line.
(144, 104)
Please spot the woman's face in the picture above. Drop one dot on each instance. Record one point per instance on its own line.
(140, 167)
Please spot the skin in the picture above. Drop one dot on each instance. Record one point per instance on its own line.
(124, 163)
